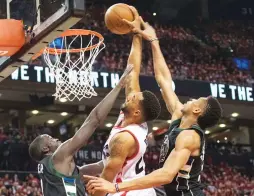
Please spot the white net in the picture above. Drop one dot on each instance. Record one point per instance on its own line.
(72, 69)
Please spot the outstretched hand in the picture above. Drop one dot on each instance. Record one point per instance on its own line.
(148, 33)
(136, 23)
(98, 184)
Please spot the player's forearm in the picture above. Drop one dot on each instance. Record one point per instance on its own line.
(134, 59)
(101, 111)
(109, 175)
(161, 69)
(135, 56)
(97, 115)
(91, 169)
(154, 179)
(110, 171)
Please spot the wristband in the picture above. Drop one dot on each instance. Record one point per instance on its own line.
(154, 39)
(117, 188)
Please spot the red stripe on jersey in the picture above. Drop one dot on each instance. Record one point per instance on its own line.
(119, 180)
(136, 153)
(125, 193)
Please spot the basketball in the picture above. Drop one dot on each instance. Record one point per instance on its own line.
(114, 16)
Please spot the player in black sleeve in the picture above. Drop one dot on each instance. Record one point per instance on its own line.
(183, 150)
(57, 170)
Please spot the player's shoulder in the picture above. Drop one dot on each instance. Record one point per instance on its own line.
(188, 139)
(123, 138)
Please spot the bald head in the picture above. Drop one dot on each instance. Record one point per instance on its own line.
(35, 148)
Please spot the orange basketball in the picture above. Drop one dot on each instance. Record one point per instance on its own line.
(114, 16)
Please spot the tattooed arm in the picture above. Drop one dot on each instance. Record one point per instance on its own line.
(122, 146)
(187, 144)
(135, 57)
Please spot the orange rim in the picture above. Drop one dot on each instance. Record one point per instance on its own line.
(72, 32)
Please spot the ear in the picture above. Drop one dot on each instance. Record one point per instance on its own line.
(137, 113)
(45, 149)
(196, 110)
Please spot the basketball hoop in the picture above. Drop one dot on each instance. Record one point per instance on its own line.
(70, 60)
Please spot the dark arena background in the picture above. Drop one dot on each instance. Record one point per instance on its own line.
(209, 48)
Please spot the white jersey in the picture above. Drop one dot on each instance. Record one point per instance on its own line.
(134, 167)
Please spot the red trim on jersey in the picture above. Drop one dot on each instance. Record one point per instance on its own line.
(117, 127)
(119, 180)
(135, 154)
(125, 193)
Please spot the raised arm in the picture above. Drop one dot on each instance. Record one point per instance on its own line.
(187, 142)
(132, 84)
(164, 79)
(162, 72)
(97, 115)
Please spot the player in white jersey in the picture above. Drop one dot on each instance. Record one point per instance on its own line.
(123, 152)
(134, 166)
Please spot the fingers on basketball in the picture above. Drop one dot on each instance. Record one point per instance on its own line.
(127, 22)
(134, 11)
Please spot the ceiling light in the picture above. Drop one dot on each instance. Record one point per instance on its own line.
(234, 114)
(155, 128)
(225, 138)
(218, 141)
(154, 14)
(51, 121)
(63, 100)
(64, 114)
(207, 132)
(109, 125)
(35, 112)
(222, 125)
(169, 121)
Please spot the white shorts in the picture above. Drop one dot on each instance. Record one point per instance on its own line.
(143, 192)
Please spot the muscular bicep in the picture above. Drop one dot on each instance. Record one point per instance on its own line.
(175, 161)
(119, 150)
(187, 143)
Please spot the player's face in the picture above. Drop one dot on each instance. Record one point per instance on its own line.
(51, 143)
(132, 102)
(195, 106)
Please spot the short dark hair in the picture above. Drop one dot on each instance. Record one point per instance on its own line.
(35, 148)
(211, 114)
(151, 106)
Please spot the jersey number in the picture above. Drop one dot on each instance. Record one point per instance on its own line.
(40, 168)
(139, 169)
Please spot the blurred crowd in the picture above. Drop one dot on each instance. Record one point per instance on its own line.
(14, 147)
(204, 51)
(19, 185)
(223, 180)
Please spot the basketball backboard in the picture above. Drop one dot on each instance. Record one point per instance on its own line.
(47, 17)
